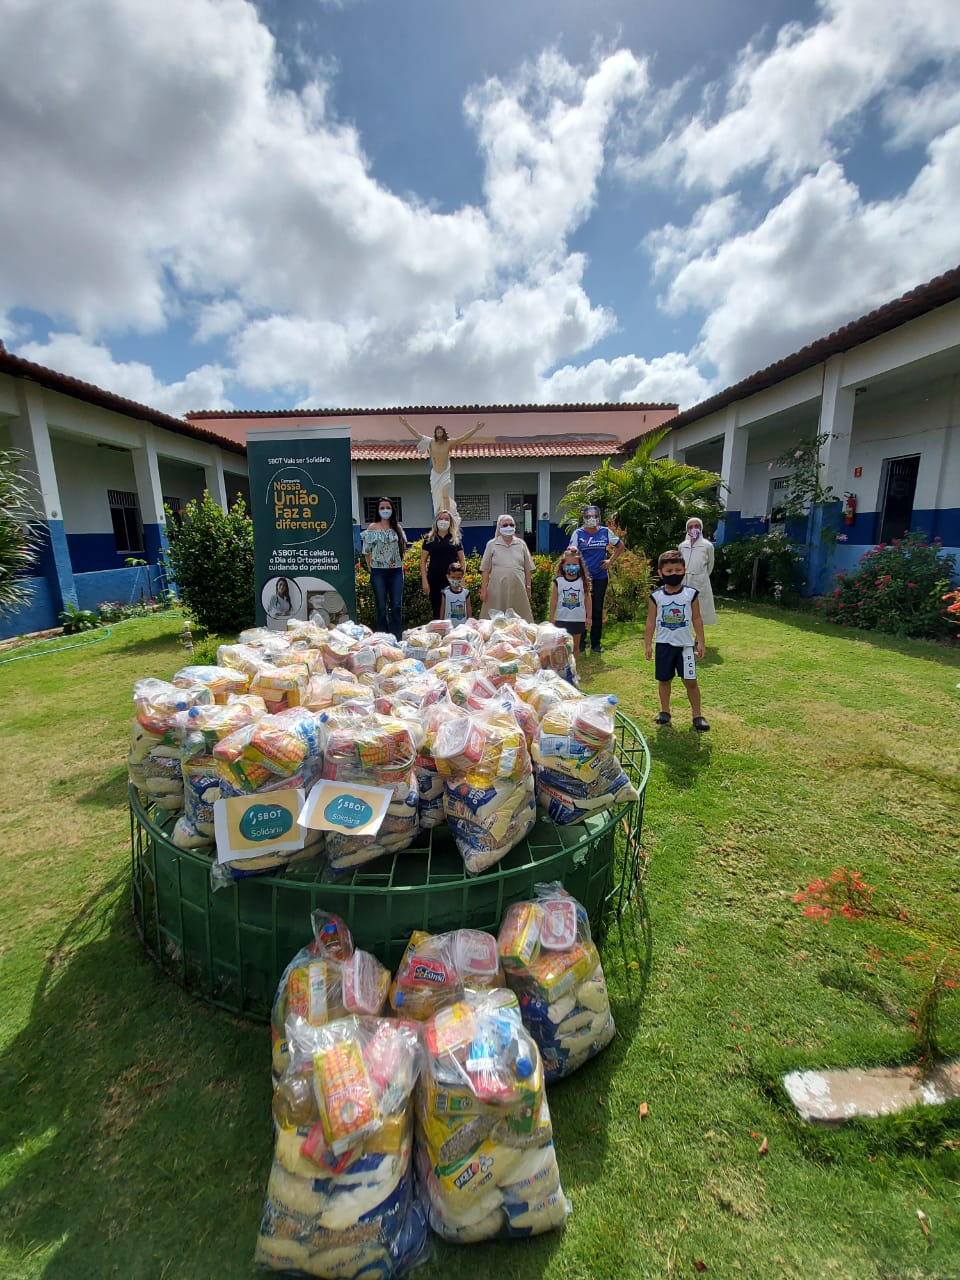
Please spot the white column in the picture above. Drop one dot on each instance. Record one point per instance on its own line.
(214, 480)
(146, 471)
(543, 495)
(734, 463)
(836, 423)
(30, 434)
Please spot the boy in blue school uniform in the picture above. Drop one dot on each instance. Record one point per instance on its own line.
(674, 622)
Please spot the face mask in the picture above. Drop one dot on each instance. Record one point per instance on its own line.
(672, 579)
(508, 530)
(455, 583)
(443, 525)
(571, 571)
(385, 513)
(591, 522)
(693, 533)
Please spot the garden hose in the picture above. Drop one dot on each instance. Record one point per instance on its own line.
(61, 648)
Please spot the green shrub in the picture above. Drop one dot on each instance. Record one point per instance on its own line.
(631, 581)
(778, 566)
(73, 620)
(210, 558)
(897, 588)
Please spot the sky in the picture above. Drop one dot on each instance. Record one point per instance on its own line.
(222, 204)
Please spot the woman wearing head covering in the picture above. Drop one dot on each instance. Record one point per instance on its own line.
(697, 555)
(600, 546)
(441, 549)
(506, 572)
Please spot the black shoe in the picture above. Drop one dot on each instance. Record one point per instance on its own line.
(662, 718)
(700, 724)
(596, 648)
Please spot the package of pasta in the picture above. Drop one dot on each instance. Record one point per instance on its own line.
(427, 976)
(545, 690)
(284, 745)
(221, 681)
(485, 1143)
(554, 968)
(578, 773)
(325, 980)
(340, 1199)
(488, 784)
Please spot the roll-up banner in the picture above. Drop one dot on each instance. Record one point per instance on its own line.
(302, 525)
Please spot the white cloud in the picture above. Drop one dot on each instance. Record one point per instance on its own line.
(668, 379)
(913, 117)
(165, 172)
(818, 259)
(543, 138)
(786, 110)
(70, 354)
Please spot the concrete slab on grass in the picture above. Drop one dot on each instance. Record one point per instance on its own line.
(832, 1096)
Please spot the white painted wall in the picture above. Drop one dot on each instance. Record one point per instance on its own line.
(84, 474)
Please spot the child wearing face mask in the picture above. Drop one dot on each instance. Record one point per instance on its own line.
(673, 620)
(570, 596)
(600, 547)
(455, 598)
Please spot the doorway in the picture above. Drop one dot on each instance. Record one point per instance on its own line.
(898, 484)
(523, 508)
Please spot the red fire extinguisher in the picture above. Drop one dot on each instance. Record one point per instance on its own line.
(850, 508)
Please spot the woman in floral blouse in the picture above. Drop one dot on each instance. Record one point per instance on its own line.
(383, 547)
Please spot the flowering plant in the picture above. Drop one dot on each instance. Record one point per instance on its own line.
(844, 893)
(897, 588)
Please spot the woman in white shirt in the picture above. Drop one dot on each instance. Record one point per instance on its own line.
(697, 555)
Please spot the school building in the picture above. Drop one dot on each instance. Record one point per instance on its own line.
(884, 391)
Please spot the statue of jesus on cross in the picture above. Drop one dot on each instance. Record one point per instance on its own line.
(441, 472)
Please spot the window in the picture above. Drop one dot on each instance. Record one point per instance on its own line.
(775, 500)
(371, 508)
(127, 525)
(175, 507)
(897, 488)
(474, 506)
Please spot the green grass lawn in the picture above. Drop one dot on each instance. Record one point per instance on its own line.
(135, 1133)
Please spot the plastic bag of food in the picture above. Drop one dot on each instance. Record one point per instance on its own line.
(340, 1200)
(485, 1149)
(324, 981)
(281, 686)
(428, 976)
(221, 681)
(278, 746)
(578, 772)
(488, 797)
(158, 703)
(554, 968)
(153, 766)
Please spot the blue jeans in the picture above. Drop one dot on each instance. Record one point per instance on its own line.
(387, 587)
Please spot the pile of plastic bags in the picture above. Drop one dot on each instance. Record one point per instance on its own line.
(469, 725)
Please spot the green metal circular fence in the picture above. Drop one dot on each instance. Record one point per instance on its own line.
(229, 945)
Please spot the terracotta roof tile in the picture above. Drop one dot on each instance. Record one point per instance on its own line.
(90, 394)
(200, 414)
(562, 447)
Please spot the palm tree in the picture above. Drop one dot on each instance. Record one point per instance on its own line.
(650, 499)
(20, 535)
